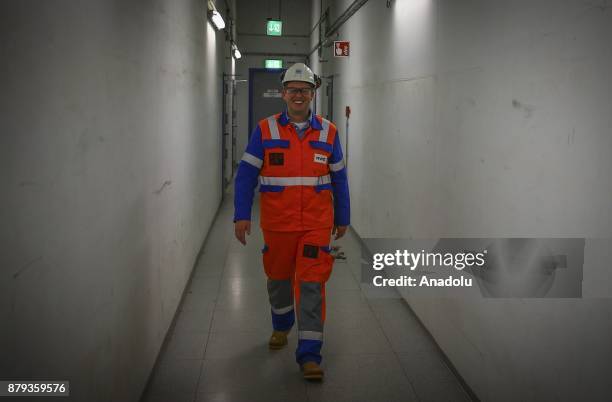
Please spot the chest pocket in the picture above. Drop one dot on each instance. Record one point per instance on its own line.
(276, 159)
(275, 154)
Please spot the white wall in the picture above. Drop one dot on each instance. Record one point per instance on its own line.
(489, 119)
(111, 171)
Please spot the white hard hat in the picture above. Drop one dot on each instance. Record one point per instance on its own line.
(301, 72)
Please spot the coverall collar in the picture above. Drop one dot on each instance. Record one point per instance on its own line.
(314, 122)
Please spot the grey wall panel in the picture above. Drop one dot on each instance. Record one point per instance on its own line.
(485, 118)
(110, 142)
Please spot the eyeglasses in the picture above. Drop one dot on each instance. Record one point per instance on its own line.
(304, 91)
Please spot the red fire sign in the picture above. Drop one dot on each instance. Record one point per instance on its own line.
(341, 48)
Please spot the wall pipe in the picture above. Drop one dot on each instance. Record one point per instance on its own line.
(271, 54)
(335, 26)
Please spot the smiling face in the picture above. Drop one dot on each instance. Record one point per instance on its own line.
(298, 95)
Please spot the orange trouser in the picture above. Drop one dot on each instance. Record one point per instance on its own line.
(297, 265)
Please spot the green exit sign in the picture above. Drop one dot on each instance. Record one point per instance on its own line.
(274, 63)
(275, 28)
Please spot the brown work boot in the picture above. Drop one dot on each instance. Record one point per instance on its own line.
(312, 371)
(278, 340)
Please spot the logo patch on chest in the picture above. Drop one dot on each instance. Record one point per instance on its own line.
(276, 159)
(320, 158)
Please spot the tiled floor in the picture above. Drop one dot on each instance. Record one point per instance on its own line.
(374, 350)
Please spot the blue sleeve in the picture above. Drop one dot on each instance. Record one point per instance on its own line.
(246, 178)
(339, 181)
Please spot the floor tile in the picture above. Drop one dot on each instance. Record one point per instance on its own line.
(369, 338)
(257, 318)
(204, 284)
(186, 345)
(193, 321)
(176, 376)
(169, 396)
(276, 371)
(247, 300)
(247, 395)
(198, 301)
(237, 344)
(431, 378)
(342, 300)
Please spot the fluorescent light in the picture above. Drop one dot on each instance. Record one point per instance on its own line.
(217, 19)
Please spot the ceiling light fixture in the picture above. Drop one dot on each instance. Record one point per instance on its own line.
(216, 19)
(237, 53)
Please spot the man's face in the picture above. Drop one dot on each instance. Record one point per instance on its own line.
(298, 95)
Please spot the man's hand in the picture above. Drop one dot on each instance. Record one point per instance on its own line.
(240, 228)
(339, 231)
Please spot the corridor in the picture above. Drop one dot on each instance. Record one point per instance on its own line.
(466, 146)
(375, 350)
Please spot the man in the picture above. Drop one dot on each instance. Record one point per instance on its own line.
(304, 199)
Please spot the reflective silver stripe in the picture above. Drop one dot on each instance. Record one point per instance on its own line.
(311, 335)
(334, 167)
(282, 310)
(252, 160)
(273, 128)
(323, 134)
(294, 181)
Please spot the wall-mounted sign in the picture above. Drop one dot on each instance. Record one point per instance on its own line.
(275, 28)
(273, 63)
(341, 48)
(272, 93)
